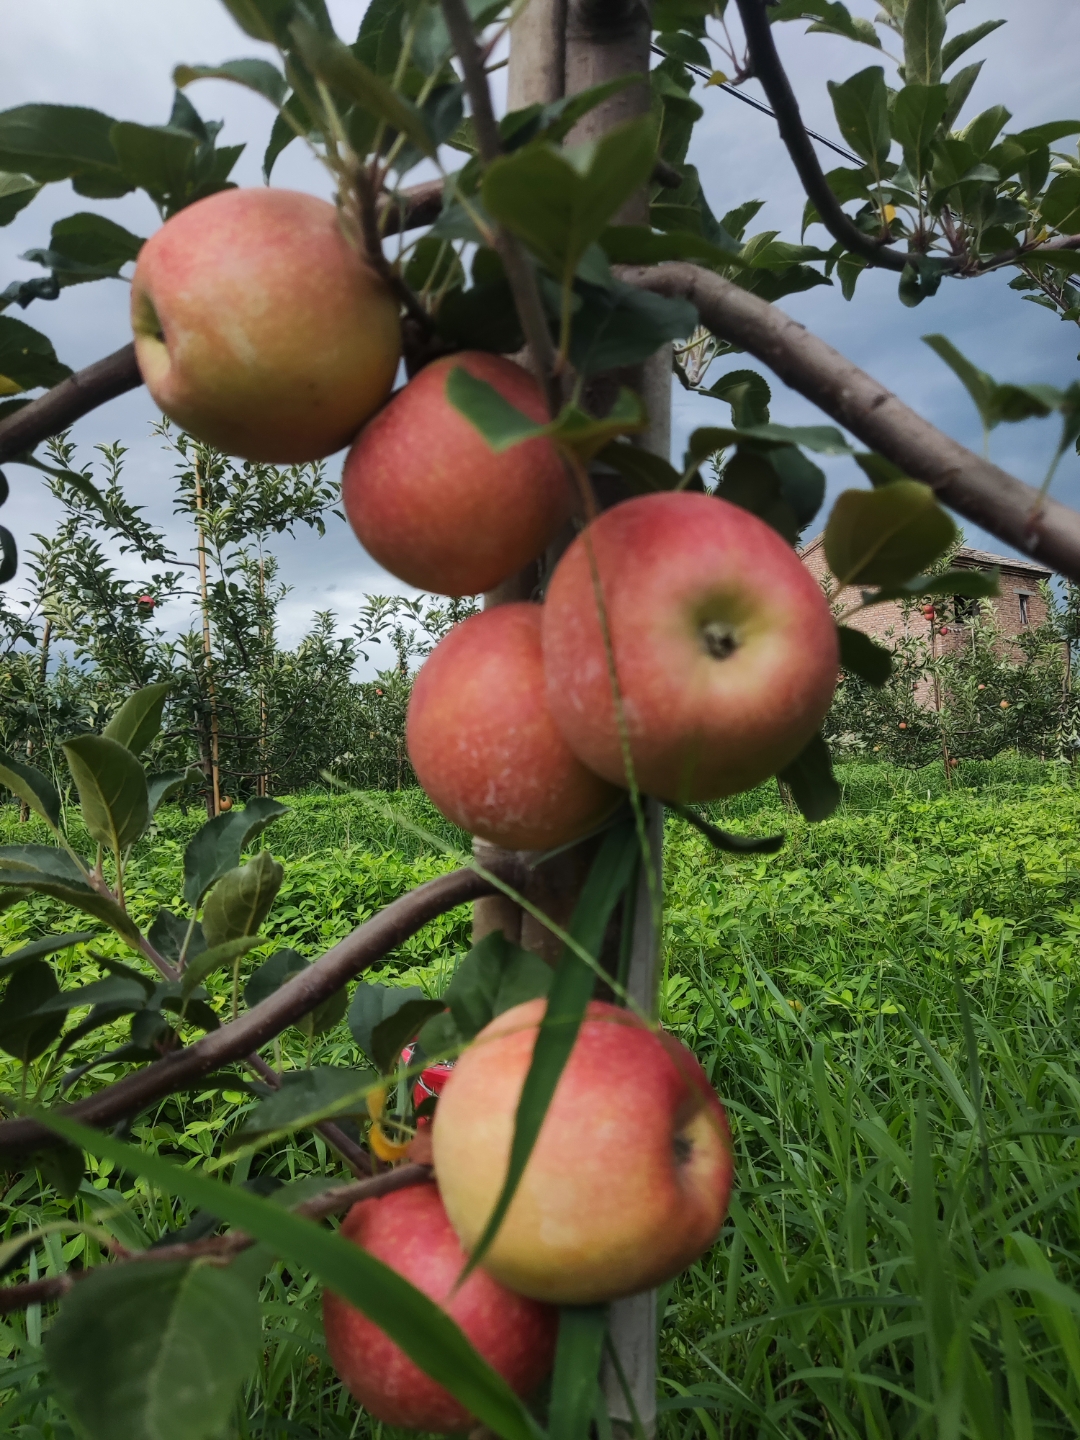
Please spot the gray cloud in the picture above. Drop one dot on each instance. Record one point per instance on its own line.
(118, 55)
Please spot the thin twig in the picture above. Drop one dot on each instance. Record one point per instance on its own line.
(977, 489)
(306, 991)
(219, 1247)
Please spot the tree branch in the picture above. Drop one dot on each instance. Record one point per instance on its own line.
(219, 1247)
(297, 997)
(977, 489)
(766, 66)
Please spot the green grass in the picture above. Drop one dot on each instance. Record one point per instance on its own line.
(886, 1007)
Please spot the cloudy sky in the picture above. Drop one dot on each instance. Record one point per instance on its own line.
(117, 56)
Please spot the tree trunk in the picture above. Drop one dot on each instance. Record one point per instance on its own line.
(213, 806)
(561, 47)
(43, 670)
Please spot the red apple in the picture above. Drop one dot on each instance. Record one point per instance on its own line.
(259, 327)
(409, 1231)
(434, 504)
(484, 746)
(724, 647)
(631, 1173)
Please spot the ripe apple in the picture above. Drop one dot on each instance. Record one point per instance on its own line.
(409, 1231)
(631, 1173)
(259, 327)
(724, 647)
(433, 503)
(484, 746)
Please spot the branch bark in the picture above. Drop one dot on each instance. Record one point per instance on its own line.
(297, 997)
(977, 489)
(219, 1247)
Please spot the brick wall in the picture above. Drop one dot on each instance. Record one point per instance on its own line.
(1018, 607)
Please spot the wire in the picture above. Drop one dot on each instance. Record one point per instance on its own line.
(765, 110)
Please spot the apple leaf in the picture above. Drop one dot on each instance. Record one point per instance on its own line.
(884, 536)
(23, 1032)
(859, 654)
(138, 721)
(225, 952)
(32, 787)
(258, 75)
(112, 790)
(424, 1331)
(810, 779)
(38, 949)
(155, 1352)
(724, 839)
(571, 991)
(217, 846)
(240, 901)
(305, 1098)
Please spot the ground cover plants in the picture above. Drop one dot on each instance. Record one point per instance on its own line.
(896, 1159)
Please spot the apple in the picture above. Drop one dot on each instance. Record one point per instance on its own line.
(631, 1173)
(433, 503)
(408, 1230)
(260, 329)
(724, 647)
(484, 746)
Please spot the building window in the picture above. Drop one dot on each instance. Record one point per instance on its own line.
(1025, 618)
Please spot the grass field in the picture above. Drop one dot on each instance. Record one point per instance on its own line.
(887, 1007)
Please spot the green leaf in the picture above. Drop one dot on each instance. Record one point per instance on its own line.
(859, 654)
(394, 1032)
(118, 992)
(169, 935)
(425, 1332)
(559, 201)
(272, 974)
(157, 159)
(643, 471)
(640, 245)
(27, 358)
(959, 88)
(916, 117)
(861, 106)
(877, 469)
(90, 243)
(16, 192)
(617, 325)
(306, 1097)
(156, 1351)
(576, 1377)
(224, 952)
(335, 63)
(571, 990)
(218, 845)
(31, 787)
(831, 18)
(879, 537)
(164, 786)
(326, 1016)
(979, 385)
(494, 976)
(974, 584)
(372, 1005)
(810, 779)
(1060, 206)
(112, 790)
(49, 871)
(240, 901)
(824, 439)
(960, 44)
(62, 142)
(747, 393)
(263, 19)
(138, 721)
(23, 1034)
(501, 424)
(258, 75)
(924, 34)
(38, 949)
(779, 485)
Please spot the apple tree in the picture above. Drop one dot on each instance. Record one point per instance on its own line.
(570, 231)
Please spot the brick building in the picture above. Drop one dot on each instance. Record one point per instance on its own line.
(1019, 606)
